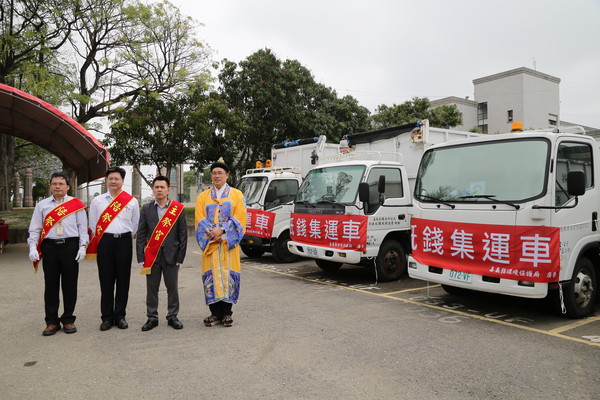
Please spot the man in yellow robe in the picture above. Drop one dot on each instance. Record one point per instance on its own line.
(220, 220)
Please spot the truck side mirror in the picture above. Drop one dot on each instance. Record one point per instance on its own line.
(271, 195)
(381, 189)
(381, 184)
(363, 192)
(576, 183)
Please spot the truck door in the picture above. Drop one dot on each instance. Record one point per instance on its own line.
(576, 223)
(578, 228)
(393, 187)
(285, 189)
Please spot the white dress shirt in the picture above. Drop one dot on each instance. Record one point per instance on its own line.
(126, 221)
(74, 224)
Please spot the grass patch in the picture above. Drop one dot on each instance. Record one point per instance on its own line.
(18, 218)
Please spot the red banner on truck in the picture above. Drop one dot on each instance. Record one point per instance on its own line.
(259, 223)
(524, 253)
(337, 231)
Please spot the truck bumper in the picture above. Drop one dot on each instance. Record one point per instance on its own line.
(509, 287)
(325, 253)
(255, 241)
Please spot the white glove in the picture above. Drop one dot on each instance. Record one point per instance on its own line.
(141, 265)
(34, 255)
(80, 254)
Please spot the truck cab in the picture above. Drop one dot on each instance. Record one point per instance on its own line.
(514, 214)
(375, 190)
(271, 189)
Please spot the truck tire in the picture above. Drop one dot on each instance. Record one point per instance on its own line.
(580, 294)
(252, 252)
(390, 262)
(280, 250)
(328, 266)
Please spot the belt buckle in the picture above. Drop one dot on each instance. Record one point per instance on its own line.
(59, 241)
(117, 235)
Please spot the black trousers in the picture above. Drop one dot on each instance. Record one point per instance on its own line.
(221, 309)
(60, 269)
(114, 272)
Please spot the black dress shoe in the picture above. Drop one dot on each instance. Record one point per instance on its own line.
(105, 325)
(51, 330)
(151, 323)
(175, 323)
(122, 324)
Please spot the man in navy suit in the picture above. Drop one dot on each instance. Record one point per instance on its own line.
(161, 245)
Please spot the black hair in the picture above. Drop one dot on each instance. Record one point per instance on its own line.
(120, 170)
(61, 175)
(161, 178)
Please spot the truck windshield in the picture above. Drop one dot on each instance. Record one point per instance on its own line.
(331, 184)
(252, 188)
(505, 171)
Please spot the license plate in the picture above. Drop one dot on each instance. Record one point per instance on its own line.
(311, 251)
(460, 276)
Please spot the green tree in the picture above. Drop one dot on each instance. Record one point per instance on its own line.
(445, 116)
(264, 101)
(126, 49)
(160, 131)
(31, 34)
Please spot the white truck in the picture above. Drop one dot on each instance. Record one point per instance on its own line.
(274, 187)
(372, 181)
(514, 214)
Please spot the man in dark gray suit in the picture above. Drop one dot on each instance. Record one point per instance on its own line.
(161, 245)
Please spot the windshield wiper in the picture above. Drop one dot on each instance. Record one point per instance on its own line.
(305, 202)
(491, 197)
(424, 196)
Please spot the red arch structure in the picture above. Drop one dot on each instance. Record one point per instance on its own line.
(28, 117)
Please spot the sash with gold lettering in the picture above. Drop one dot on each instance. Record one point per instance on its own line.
(54, 217)
(106, 217)
(159, 234)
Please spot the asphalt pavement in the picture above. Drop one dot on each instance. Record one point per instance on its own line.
(295, 336)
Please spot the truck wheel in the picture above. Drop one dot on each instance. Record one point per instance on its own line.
(280, 250)
(391, 261)
(580, 294)
(328, 266)
(252, 252)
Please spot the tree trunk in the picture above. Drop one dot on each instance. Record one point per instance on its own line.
(7, 161)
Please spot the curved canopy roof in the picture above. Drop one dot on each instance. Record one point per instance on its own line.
(30, 118)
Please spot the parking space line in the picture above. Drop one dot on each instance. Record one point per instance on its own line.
(575, 324)
(388, 296)
(413, 289)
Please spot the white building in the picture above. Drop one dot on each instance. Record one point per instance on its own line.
(519, 95)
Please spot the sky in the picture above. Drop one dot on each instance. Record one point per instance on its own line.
(389, 51)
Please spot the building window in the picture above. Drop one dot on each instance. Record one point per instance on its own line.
(482, 111)
(483, 128)
(552, 119)
(509, 115)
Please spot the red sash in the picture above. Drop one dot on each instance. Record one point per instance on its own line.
(106, 217)
(54, 217)
(159, 234)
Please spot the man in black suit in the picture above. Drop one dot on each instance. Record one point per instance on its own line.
(161, 245)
